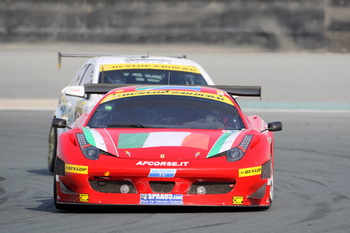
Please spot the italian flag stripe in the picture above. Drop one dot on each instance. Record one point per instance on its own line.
(94, 138)
(229, 142)
(200, 141)
(159, 139)
(218, 144)
(132, 140)
(165, 139)
(224, 143)
(109, 143)
(89, 137)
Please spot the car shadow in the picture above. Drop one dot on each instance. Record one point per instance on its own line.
(47, 205)
(42, 172)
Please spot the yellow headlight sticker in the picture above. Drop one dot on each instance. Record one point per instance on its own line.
(251, 171)
(130, 66)
(84, 197)
(70, 168)
(237, 200)
(212, 96)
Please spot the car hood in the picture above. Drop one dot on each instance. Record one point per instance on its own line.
(151, 143)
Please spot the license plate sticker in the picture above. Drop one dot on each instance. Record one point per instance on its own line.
(161, 199)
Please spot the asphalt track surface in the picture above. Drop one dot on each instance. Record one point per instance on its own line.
(312, 191)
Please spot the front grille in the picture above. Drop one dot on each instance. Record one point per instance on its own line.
(212, 187)
(162, 186)
(109, 186)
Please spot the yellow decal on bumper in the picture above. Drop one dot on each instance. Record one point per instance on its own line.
(251, 171)
(237, 200)
(70, 168)
(84, 197)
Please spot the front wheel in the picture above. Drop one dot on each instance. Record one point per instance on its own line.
(52, 149)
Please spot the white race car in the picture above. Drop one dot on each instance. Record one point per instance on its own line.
(128, 69)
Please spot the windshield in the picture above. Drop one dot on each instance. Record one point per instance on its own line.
(149, 76)
(166, 111)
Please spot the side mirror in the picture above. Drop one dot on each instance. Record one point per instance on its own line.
(274, 126)
(59, 123)
(76, 91)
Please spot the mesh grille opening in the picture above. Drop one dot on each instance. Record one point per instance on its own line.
(162, 186)
(111, 186)
(212, 187)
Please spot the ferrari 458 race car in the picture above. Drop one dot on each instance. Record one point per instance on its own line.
(166, 145)
(121, 69)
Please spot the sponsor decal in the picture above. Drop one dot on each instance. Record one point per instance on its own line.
(161, 199)
(212, 96)
(107, 173)
(160, 164)
(70, 168)
(108, 108)
(251, 171)
(129, 66)
(237, 200)
(162, 173)
(84, 197)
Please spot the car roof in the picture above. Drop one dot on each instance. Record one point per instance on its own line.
(104, 60)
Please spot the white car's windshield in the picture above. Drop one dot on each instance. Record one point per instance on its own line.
(150, 76)
(163, 111)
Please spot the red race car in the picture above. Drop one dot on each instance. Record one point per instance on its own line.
(166, 145)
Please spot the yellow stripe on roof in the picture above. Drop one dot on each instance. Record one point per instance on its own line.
(183, 68)
(212, 96)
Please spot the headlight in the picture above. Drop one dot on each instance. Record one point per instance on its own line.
(238, 152)
(89, 151)
(234, 154)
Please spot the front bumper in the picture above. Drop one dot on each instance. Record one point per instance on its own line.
(131, 185)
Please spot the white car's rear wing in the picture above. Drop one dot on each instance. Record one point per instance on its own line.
(79, 55)
(246, 91)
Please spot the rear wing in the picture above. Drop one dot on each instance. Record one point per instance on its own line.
(79, 55)
(246, 91)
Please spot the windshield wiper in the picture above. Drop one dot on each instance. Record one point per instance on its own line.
(128, 126)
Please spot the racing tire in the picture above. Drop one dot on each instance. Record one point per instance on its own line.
(52, 149)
